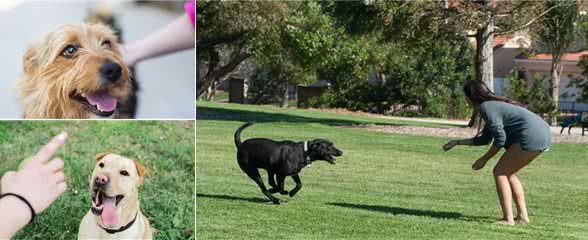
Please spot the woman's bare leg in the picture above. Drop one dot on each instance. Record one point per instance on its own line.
(504, 197)
(509, 164)
(519, 198)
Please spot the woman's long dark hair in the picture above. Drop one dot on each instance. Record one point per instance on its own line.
(478, 92)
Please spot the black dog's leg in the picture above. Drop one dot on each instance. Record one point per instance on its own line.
(562, 128)
(253, 173)
(272, 182)
(570, 129)
(296, 179)
(281, 180)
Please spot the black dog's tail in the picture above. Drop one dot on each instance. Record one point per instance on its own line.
(238, 133)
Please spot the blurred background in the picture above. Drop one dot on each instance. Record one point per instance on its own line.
(166, 83)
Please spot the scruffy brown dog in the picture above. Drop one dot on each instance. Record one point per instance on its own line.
(75, 71)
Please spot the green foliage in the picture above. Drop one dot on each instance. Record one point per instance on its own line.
(557, 29)
(537, 98)
(428, 75)
(581, 82)
(517, 88)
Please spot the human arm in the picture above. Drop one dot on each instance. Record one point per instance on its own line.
(176, 36)
(40, 182)
(452, 143)
(481, 162)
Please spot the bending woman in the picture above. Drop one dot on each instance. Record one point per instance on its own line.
(522, 133)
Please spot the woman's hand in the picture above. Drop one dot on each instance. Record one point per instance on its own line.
(449, 145)
(40, 181)
(479, 164)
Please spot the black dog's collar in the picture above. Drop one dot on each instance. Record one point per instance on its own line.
(306, 154)
(125, 227)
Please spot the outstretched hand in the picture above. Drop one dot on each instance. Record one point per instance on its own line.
(449, 145)
(40, 181)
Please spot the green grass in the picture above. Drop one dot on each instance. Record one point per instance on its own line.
(385, 186)
(223, 96)
(265, 113)
(165, 148)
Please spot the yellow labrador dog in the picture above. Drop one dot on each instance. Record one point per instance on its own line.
(115, 212)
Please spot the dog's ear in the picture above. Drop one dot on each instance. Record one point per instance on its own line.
(30, 60)
(140, 169)
(99, 156)
(314, 145)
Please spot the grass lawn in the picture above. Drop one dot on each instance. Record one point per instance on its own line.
(165, 148)
(385, 186)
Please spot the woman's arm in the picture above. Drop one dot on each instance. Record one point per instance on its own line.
(40, 182)
(492, 151)
(452, 143)
(176, 36)
(15, 215)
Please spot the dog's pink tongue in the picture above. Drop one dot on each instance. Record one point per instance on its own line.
(109, 216)
(103, 100)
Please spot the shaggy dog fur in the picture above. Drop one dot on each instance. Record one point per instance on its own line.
(103, 14)
(75, 71)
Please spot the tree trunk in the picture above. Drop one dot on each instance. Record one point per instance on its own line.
(484, 53)
(215, 73)
(556, 69)
(284, 103)
(484, 62)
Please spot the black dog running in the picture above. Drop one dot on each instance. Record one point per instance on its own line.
(280, 158)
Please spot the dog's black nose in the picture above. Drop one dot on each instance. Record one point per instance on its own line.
(110, 71)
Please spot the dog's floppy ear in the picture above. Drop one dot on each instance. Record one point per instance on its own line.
(314, 145)
(140, 169)
(99, 156)
(30, 60)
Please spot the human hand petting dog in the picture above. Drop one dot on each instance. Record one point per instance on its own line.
(39, 182)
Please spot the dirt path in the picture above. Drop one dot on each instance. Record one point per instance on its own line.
(372, 115)
(575, 137)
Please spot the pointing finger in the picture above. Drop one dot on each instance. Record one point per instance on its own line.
(49, 149)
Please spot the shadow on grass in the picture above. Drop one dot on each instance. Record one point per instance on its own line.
(213, 113)
(227, 197)
(414, 212)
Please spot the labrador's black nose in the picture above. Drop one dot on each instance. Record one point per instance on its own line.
(110, 72)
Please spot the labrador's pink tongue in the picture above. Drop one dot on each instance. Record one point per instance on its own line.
(103, 100)
(109, 216)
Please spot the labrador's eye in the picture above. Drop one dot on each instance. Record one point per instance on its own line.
(101, 165)
(107, 43)
(69, 51)
(124, 173)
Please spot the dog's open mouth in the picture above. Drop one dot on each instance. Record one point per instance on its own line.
(100, 103)
(331, 159)
(105, 207)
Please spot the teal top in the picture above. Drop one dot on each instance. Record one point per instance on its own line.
(508, 124)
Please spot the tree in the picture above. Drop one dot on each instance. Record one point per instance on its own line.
(290, 39)
(557, 32)
(581, 82)
(421, 22)
(228, 34)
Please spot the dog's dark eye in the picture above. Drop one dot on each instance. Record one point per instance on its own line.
(124, 173)
(107, 43)
(101, 165)
(69, 51)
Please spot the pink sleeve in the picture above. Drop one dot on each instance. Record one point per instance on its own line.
(190, 8)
